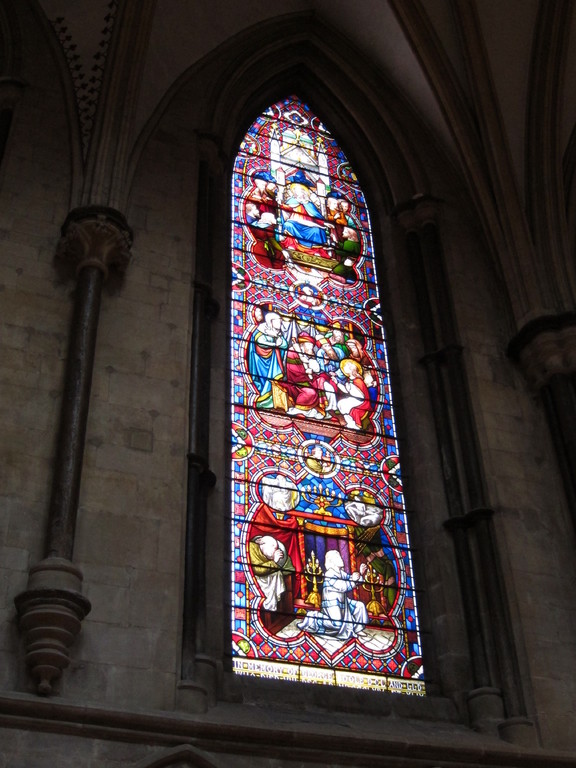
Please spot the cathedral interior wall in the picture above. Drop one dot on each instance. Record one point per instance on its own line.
(35, 182)
(131, 523)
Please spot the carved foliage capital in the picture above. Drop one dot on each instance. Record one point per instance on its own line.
(97, 237)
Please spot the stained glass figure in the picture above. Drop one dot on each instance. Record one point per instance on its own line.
(322, 583)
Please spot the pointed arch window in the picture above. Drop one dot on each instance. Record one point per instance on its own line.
(322, 581)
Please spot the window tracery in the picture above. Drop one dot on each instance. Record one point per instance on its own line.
(322, 581)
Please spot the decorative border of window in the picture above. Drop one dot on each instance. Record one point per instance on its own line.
(322, 581)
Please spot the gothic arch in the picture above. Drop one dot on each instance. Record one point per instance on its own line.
(546, 194)
(298, 54)
(51, 47)
(210, 106)
(395, 154)
(10, 42)
(205, 114)
(208, 127)
(30, 57)
(10, 63)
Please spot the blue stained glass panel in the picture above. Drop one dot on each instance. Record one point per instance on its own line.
(322, 586)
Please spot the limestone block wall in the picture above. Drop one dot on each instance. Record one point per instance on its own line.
(35, 182)
(534, 531)
(130, 533)
(132, 507)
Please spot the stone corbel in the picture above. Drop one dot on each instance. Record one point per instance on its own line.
(210, 151)
(406, 218)
(51, 611)
(425, 210)
(545, 350)
(548, 353)
(417, 213)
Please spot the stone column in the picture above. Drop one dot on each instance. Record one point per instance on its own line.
(433, 329)
(496, 694)
(545, 349)
(197, 688)
(52, 607)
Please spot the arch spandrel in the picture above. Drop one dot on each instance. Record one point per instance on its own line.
(299, 54)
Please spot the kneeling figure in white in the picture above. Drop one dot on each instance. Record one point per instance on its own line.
(340, 616)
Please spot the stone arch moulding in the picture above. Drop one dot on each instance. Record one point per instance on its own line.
(66, 88)
(217, 99)
(11, 42)
(301, 55)
(569, 179)
(184, 756)
(297, 80)
(11, 84)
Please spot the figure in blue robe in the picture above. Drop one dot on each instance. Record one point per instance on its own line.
(305, 222)
(266, 353)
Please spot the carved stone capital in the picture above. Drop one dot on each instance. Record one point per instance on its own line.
(50, 613)
(10, 91)
(546, 347)
(426, 210)
(417, 212)
(97, 237)
(406, 218)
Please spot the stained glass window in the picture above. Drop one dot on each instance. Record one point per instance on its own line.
(322, 582)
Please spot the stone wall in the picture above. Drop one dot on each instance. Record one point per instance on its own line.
(35, 183)
(119, 703)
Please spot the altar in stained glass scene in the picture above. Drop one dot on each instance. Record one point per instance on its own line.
(322, 582)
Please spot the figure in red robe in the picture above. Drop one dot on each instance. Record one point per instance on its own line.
(272, 518)
(310, 389)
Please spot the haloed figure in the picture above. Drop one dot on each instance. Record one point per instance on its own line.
(356, 404)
